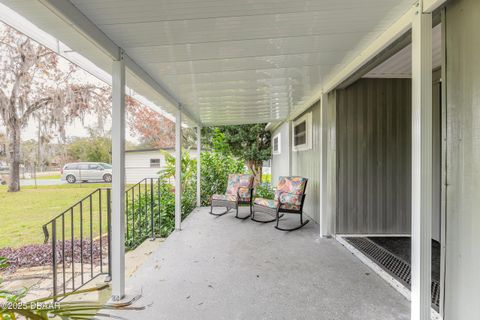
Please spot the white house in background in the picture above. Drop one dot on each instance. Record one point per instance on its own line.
(146, 163)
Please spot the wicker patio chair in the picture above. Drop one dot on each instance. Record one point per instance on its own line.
(289, 198)
(239, 192)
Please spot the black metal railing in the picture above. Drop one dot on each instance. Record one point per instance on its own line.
(80, 236)
(142, 212)
(79, 239)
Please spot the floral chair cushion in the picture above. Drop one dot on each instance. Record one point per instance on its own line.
(237, 184)
(266, 202)
(289, 192)
(232, 184)
(224, 197)
(245, 180)
(293, 185)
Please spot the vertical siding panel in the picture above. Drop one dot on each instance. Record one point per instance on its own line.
(380, 156)
(390, 156)
(371, 159)
(373, 143)
(351, 156)
(341, 118)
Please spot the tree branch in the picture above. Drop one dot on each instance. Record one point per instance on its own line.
(34, 107)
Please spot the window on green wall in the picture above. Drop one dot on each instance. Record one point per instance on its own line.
(302, 133)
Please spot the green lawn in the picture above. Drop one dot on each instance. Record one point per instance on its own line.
(23, 213)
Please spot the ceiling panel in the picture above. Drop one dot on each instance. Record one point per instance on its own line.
(233, 61)
(400, 64)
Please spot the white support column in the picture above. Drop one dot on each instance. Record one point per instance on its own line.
(118, 181)
(178, 169)
(324, 218)
(421, 164)
(199, 151)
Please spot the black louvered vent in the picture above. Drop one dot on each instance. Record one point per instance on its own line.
(392, 264)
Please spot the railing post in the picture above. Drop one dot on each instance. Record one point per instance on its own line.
(152, 214)
(109, 237)
(159, 207)
(54, 258)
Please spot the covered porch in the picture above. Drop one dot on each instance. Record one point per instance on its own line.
(233, 63)
(225, 268)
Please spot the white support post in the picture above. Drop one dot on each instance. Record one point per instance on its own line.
(324, 218)
(118, 180)
(199, 151)
(178, 169)
(422, 171)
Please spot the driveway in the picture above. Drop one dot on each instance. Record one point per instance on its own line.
(40, 182)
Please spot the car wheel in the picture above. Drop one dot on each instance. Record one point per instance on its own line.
(71, 179)
(107, 178)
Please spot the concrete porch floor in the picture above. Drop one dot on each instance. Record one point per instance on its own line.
(225, 268)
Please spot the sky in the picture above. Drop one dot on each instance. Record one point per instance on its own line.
(79, 128)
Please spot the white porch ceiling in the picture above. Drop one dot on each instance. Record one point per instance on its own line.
(400, 64)
(227, 61)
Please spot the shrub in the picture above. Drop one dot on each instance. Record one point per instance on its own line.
(267, 177)
(265, 190)
(215, 168)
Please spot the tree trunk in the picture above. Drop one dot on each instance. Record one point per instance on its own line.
(256, 168)
(14, 157)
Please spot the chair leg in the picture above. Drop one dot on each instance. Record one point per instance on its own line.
(266, 221)
(278, 218)
(243, 218)
(219, 214)
(302, 224)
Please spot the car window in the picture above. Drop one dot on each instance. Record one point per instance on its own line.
(83, 166)
(106, 165)
(94, 167)
(71, 167)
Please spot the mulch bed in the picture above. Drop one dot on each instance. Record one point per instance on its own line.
(41, 254)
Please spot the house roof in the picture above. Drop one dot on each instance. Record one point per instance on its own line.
(148, 150)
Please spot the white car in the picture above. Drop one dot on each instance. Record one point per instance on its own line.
(87, 171)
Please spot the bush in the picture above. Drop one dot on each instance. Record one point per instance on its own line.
(215, 168)
(267, 177)
(265, 190)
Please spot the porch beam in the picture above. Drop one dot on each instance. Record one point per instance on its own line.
(324, 218)
(430, 5)
(199, 176)
(422, 168)
(178, 169)
(118, 180)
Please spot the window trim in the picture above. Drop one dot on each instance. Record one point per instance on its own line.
(279, 150)
(307, 118)
(155, 166)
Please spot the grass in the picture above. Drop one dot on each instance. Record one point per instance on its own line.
(23, 213)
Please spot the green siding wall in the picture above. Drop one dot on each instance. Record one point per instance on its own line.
(374, 157)
(307, 164)
(462, 287)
